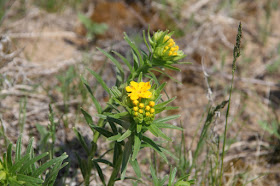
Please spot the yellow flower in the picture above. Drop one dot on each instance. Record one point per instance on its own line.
(141, 105)
(141, 111)
(152, 110)
(152, 103)
(171, 46)
(148, 114)
(135, 102)
(147, 108)
(135, 109)
(139, 90)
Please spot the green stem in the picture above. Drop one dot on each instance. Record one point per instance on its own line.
(236, 54)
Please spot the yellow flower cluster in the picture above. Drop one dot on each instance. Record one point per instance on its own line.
(139, 90)
(171, 47)
(142, 109)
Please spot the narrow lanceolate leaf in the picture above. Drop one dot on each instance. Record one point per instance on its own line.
(95, 101)
(172, 176)
(136, 168)
(18, 148)
(163, 104)
(126, 156)
(99, 171)
(166, 125)
(125, 135)
(133, 46)
(87, 116)
(136, 146)
(150, 143)
(28, 179)
(32, 161)
(139, 128)
(118, 65)
(103, 161)
(102, 131)
(159, 132)
(100, 80)
(169, 153)
(168, 118)
(124, 60)
(154, 176)
(145, 41)
(52, 176)
(114, 138)
(46, 165)
(82, 140)
(18, 164)
(172, 67)
(9, 156)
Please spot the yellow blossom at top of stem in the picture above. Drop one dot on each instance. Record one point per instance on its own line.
(139, 90)
(171, 46)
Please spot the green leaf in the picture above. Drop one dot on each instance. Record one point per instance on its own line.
(162, 72)
(145, 41)
(87, 117)
(139, 128)
(18, 164)
(32, 161)
(126, 156)
(114, 138)
(163, 104)
(159, 132)
(54, 172)
(136, 146)
(166, 125)
(136, 168)
(103, 161)
(100, 80)
(18, 148)
(172, 176)
(96, 103)
(81, 140)
(150, 143)
(118, 65)
(133, 46)
(28, 179)
(169, 153)
(154, 176)
(9, 156)
(102, 131)
(46, 165)
(99, 171)
(172, 67)
(125, 135)
(168, 118)
(124, 60)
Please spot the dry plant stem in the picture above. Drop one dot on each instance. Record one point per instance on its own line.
(236, 54)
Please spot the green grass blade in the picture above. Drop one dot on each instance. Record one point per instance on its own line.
(95, 101)
(100, 80)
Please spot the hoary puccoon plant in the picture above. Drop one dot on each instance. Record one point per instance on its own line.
(132, 110)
